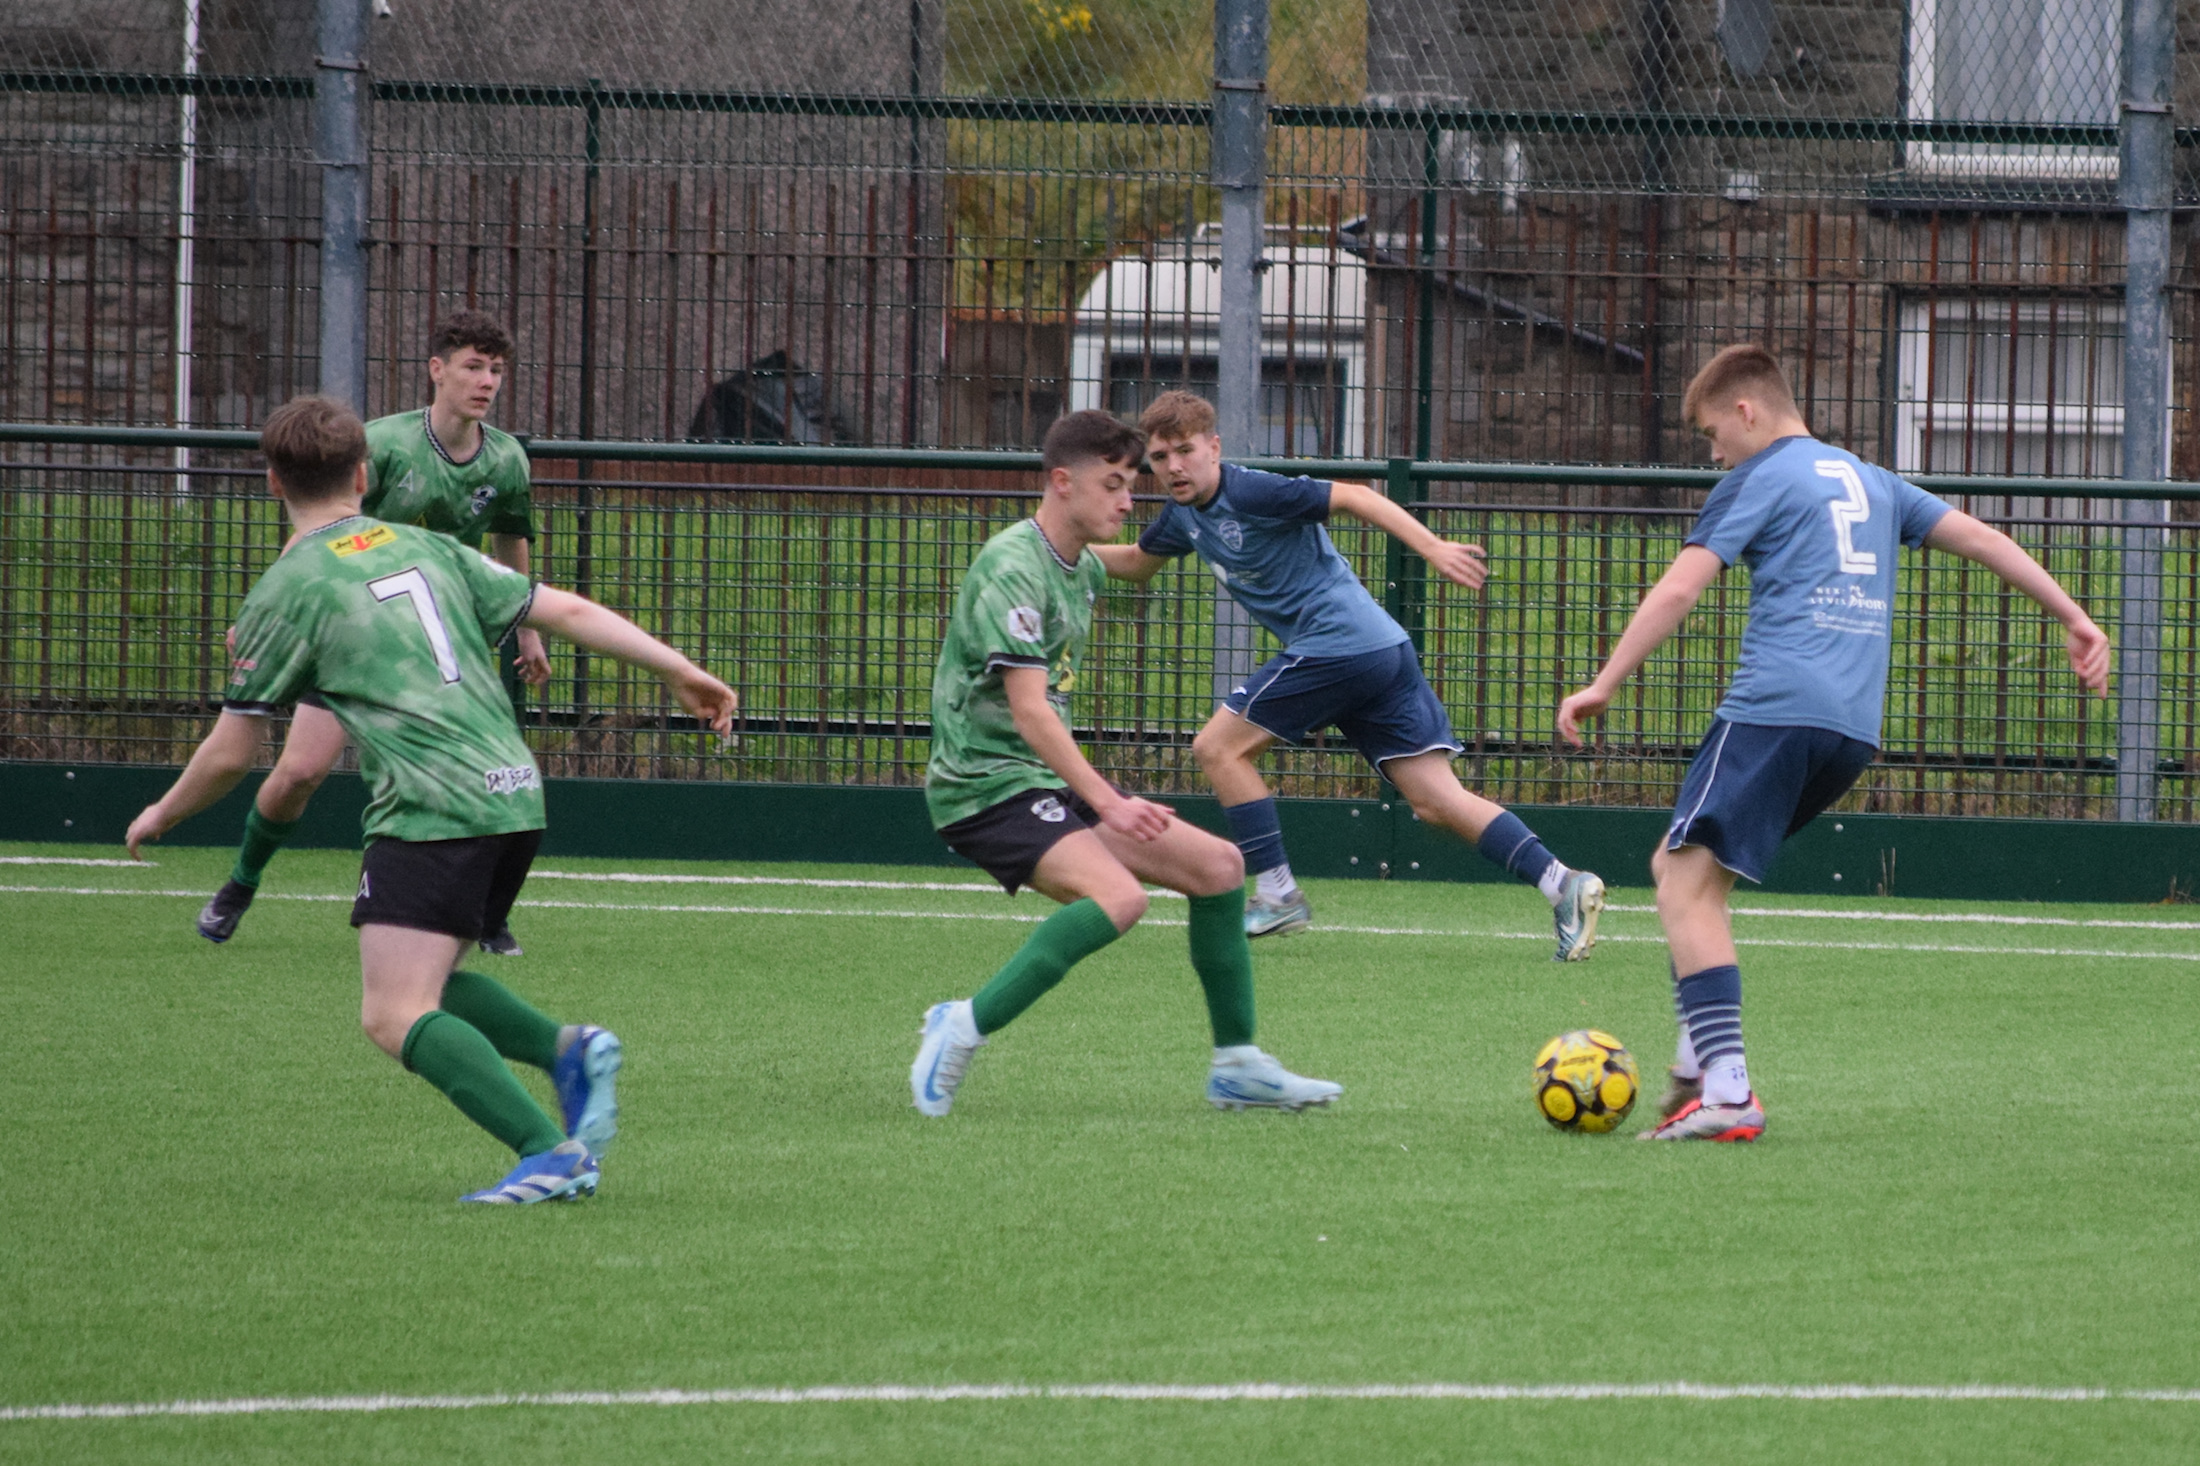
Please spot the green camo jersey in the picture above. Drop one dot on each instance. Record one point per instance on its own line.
(393, 625)
(1020, 606)
(410, 480)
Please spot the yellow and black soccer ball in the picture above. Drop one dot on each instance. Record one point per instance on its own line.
(1586, 1080)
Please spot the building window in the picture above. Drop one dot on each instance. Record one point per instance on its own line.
(2014, 61)
(2011, 385)
(1301, 401)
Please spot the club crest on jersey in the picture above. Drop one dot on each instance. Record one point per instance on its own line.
(355, 544)
(482, 499)
(1050, 809)
(1024, 624)
(1233, 534)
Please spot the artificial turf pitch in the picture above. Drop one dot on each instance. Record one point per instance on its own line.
(1980, 1170)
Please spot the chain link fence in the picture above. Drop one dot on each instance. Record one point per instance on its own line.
(1504, 232)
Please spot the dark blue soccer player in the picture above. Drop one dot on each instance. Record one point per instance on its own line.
(1345, 662)
(1819, 530)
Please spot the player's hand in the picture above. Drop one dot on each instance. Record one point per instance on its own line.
(1467, 565)
(150, 824)
(706, 697)
(1590, 702)
(532, 662)
(2088, 648)
(1141, 819)
(229, 643)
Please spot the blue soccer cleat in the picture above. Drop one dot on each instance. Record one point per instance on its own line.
(1266, 918)
(950, 1037)
(567, 1173)
(1251, 1079)
(586, 1075)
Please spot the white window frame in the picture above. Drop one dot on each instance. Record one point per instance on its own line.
(1990, 417)
(2019, 161)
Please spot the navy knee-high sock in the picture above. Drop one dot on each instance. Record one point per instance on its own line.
(1258, 835)
(1508, 842)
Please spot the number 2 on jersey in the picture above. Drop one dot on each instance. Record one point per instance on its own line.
(414, 587)
(1848, 512)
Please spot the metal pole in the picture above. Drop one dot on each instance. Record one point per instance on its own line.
(2147, 188)
(1238, 162)
(584, 497)
(187, 231)
(339, 136)
(1424, 334)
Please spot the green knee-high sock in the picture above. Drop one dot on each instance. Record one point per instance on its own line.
(451, 1054)
(262, 838)
(1062, 941)
(506, 1019)
(1224, 961)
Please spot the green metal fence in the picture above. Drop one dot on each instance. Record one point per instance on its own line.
(818, 582)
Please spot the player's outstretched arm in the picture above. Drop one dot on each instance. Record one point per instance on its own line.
(1128, 562)
(512, 551)
(1044, 734)
(215, 767)
(1459, 563)
(1959, 534)
(1661, 613)
(599, 628)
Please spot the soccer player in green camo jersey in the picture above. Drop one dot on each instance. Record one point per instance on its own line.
(1009, 791)
(395, 626)
(444, 468)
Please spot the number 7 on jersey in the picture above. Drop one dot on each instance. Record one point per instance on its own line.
(414, 587)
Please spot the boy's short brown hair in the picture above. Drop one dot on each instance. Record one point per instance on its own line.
(1080, 437)
(315, 446)
(1747, 370)
(477, 329)
(1177, 415)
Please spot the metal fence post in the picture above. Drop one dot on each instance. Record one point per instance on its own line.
(2147, 187)
(339, 137)
(1238, 163)
(1405, 583)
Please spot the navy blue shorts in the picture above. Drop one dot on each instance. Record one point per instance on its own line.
(1379, 700)
(1750, 787)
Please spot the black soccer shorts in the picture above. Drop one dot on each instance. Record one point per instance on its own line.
(1008, 840)
(462, 888)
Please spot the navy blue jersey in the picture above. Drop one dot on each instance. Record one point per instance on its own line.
(1262, 536)
(1819, 529)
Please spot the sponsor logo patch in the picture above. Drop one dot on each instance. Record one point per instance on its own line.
(357, 544)
(1024, 624)
(511, 781)
(1050, 809)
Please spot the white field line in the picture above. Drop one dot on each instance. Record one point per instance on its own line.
(71, 860)
(1030, 919)
(641, 878)
(1987, 918)
(1982, 918)
(1200, 1394)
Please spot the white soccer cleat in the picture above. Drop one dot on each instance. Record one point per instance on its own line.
(943, 1055)
(1249, 1079)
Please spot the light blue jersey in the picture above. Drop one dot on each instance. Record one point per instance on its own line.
(1262, 536)
(1819, 529)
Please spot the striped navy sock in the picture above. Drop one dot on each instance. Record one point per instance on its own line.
(1711, 1007)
